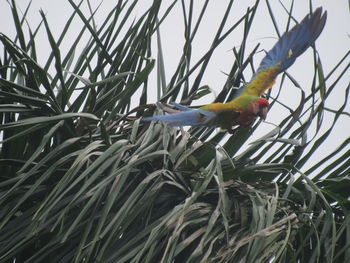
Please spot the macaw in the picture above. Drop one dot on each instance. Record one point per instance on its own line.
(248, 104)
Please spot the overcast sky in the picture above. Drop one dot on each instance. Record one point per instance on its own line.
(332, 45)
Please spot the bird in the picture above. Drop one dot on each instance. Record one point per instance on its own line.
(248, 103)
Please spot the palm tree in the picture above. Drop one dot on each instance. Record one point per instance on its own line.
(83, 180)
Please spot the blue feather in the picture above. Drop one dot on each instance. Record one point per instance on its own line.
(180, 107)
(291, 45)
(194, 117)
(294, 42)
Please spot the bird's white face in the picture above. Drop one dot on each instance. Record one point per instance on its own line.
(260, 108)
(262, 113)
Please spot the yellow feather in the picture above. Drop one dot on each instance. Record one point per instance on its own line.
(290, 53)
(261, 82)
(238, 104)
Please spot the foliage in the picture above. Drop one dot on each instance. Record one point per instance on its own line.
(83, 179)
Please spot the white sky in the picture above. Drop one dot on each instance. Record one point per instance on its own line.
(333, 43)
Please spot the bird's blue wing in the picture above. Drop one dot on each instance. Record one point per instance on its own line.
(294, 42)
(283, 54)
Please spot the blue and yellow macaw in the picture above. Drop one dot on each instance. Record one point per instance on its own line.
(248, 103)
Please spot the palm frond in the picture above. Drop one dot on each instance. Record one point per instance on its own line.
(83, 179)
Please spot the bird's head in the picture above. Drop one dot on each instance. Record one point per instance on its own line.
(259, 107)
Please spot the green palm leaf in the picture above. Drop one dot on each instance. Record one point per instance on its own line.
(84, 180)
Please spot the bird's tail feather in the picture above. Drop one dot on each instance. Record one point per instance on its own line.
(194, 117)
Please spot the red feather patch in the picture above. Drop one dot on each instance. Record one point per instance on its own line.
(263, 102)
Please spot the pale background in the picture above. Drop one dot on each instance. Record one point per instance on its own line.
(333, 44)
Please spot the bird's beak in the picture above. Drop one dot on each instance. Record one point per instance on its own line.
(263, 113)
